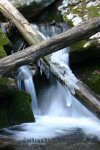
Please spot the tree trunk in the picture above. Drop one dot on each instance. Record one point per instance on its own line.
(32, 37)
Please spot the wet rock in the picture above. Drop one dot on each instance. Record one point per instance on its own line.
(75, 13)
(90, 75)
(31, 8)
(3, 42)
(15, 105)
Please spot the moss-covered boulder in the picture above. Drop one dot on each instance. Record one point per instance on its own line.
(3, 42)
(19, 108)
(2, 52)
(15, 105)
(3, 117)
(75, 13)
(93, 81)
(90, 75)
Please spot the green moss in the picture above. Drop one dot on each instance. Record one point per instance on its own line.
(3, 117)
(85, 13)
(2, 52)
(80, 46)
(93, 81)
(15, 105)
(4, 81)
(81, 10)
(3, 41)
(91, 76)
(19, 108)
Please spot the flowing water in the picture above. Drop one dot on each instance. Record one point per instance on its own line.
(56, 111)
(27, 76)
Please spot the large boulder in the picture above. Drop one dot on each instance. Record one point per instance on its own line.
(90, 75)
(75, 13)
(15, 105)
(30, 8)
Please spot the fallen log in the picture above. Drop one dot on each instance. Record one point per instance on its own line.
(33, 37)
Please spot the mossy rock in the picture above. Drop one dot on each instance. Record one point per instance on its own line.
(19, 108)
(91, 76)
(3, 117)
(2, 52)
(93, 81)
(83, 45)
(78, 12)
(84, 10)
(3, 42)
(15, 105)
(4, 39)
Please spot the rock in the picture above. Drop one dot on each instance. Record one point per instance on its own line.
(3, 117)
(19, 108)
(76, 12)
(30, 8)
(93, 80)
(15, 105)
(3, 42)
(90, 75)
(2, 52)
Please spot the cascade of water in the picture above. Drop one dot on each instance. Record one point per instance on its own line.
(29, 86)
(56, 119)
(48, 31)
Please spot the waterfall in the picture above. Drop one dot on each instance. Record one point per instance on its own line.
(26, 74)
(65, 98)
(60, 113)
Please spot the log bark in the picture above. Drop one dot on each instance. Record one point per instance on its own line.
(91, 101)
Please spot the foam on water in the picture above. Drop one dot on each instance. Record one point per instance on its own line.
(53, 126)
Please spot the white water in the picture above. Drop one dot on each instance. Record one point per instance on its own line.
(60, 112)
(29, 86)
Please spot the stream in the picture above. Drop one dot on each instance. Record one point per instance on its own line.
(60, 118)
(61, 121)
